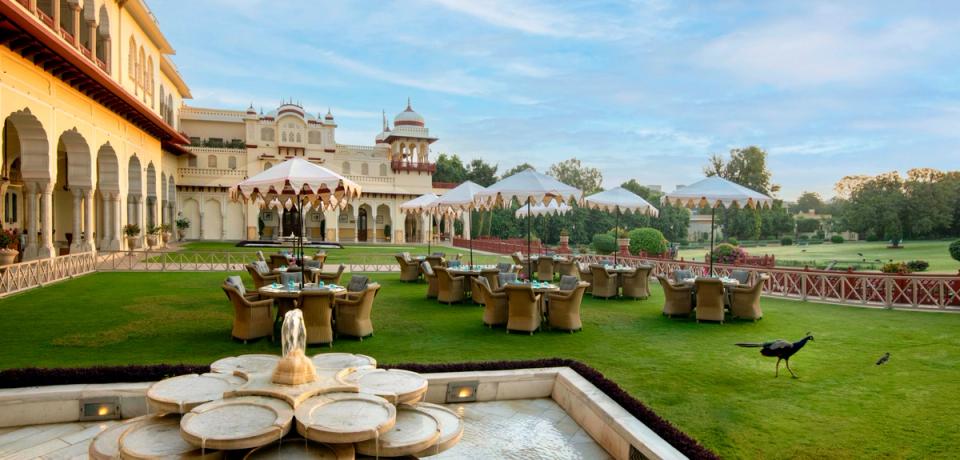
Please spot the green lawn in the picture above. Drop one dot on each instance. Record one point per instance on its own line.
(350, 253)
(843, 406)
(935, 252)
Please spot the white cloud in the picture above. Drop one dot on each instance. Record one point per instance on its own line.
(827, 147)
(531, 18)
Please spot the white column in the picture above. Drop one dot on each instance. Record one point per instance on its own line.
(92, 32)
(88, 221)
(373, 223)
(115, 231)
(77, 245)
(56, 16)
(105, 212)
(45, 246)
(30, 220)
(356, 223)
(76, 23)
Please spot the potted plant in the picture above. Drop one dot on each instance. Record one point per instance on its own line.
(132, 232)
(182, 225)
(386, 232)
(8, 243)
(564, 241)
(152, 234)
(165, 230)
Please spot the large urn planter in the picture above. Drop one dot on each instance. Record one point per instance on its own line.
(624, 245)
(151, 241)
(165, 237)
(8, 256)
(181, 235)
(133, 242)
(564, 244)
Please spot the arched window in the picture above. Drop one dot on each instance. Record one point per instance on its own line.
(346, 167)
(192, 162)
(283, 136)
(212, 161)
(364, 169)
(266, 134)
(103, 37)
(142, 67)
(232, 163)
(149, 81)
(299, 139)
(163, 104)
(383, 170)
(132, 59)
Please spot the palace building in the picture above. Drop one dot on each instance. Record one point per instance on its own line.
(230, 145)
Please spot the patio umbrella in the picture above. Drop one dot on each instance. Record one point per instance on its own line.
(620, 200)
(543, 210)
(422, 204)
(462, 198)
(714, 192)
(301, 180)
(527, 187)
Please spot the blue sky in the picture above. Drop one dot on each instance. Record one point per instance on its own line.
(643, 89)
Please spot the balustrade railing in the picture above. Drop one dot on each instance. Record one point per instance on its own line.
(26, 275)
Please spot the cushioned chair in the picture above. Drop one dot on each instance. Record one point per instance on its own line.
(745, 300)
(505, 267)
(353, 313)
(252, 319)
(260, 256)
(309, 275)
(494, 303)
(545, 269)
(636, 285)
(278, 260)
(286, 277)
(330, 278)
(433, 286)
(435, 260)
(409, 271)
(742, 276)
(488, 274)
(680, 275)
(523, 308)
(317, 307)
(320, 257)
(564, 311)
(450, 288)
(504, 279)
(586, 274)
(677, 298)
(568, 283)
(357, 285)
(604, 283)
(710, 299)
(567, 268)
(261, 279)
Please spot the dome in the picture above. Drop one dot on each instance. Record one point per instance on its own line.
(408, 117)
(329, 115)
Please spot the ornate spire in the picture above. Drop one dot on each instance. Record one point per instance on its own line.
(409, 108)
(386, 126)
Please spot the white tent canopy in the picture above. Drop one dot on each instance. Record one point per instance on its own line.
(621, 200)
(461, 198)
(423, 204)
(542, 210)
(714, 192)
(527, 186)
(314, 184)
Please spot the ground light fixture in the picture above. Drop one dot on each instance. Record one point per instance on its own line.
(103, 408)
(458, 392)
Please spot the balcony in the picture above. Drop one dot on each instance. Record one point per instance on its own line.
(400, 165)
(210, 172)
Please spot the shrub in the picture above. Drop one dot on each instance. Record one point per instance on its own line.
(804, 237)
(182, 223)
(618, 233)
(955, 250)
(648, 240)
(873, 237)
(836, 239)
(8, 238)
(787, 241)
(733, 241)
(131, 230)
(918, 265)
(727, 254)
(895, 267)
(604, 243)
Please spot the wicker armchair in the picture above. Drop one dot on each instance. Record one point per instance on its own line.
(545, 268)
(745, 301)
(251, 318)
(742, 276)
(504, 279)
(564, 311)
(329, 278)
(710, 299)
(518, 258)
(586, 274)
(636, 285)
(677, 299)
(261, 279)
(523, 308)
(604, 283)
(489, 274)
(436, 261)
(317, 308)
(450, 287)
(433, 286)
(494, 303)
(320, 257)
(278, 260)
(409, 271)
(567, 268)
(353, 314)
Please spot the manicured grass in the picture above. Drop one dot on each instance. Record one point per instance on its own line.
(349, 254)
(935, 252)
(843, 406)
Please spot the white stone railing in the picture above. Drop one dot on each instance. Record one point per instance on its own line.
(379, 180)
(218, 150)
(35, 273)
(209, 172)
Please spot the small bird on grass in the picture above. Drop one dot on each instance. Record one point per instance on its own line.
(883, 359)
(780, 349)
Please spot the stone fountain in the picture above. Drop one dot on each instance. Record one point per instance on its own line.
(339, 404)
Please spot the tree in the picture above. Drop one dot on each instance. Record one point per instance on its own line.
(809, 201)
(776, 221)
(746, 166)
(672, 221)
(516, 169)
(450, 169)
(481, 172)
(807, 225)
(573, 172)
(875, 206)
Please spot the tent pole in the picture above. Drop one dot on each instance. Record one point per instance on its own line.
(713, 212)
(470, 235)
(300, 239)
(529, 254)
(616, 236)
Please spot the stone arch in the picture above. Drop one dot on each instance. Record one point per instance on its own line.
(383, 170)
(134, 190)
(132, 59)
(78, 165)
(141, 67)
(212, 219)
(383, 220)
(164, 199)
(103, 37)
(364, 169)
(151, 196)
(365, 224)
(191, 210)
(108, 191)
(108, 169)
(234, 227)
(33, 148)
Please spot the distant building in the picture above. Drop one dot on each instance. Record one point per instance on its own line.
(699, 228)
(826, 225)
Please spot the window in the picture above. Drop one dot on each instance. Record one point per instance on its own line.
(383, 170)
(192, 162)
(283, 136)
(266, 134)
(212, 161)
(299, 139)
(141, 67)
(10, 207)
(364, 169)
(346, 167)
(267, 165)
(132, 59)
(195, 141)
(232, 163)
(315, 137)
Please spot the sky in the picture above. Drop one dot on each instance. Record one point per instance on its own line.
(641, 89)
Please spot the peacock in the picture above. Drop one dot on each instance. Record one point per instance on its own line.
(781, 349)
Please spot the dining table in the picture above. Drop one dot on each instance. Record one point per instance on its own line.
(287, 297)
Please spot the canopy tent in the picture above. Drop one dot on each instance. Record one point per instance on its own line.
(318, 187)
(528, 187)
(422, 205)
(461, 199)
(544, 210)
(714, 192)
(620, 200)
